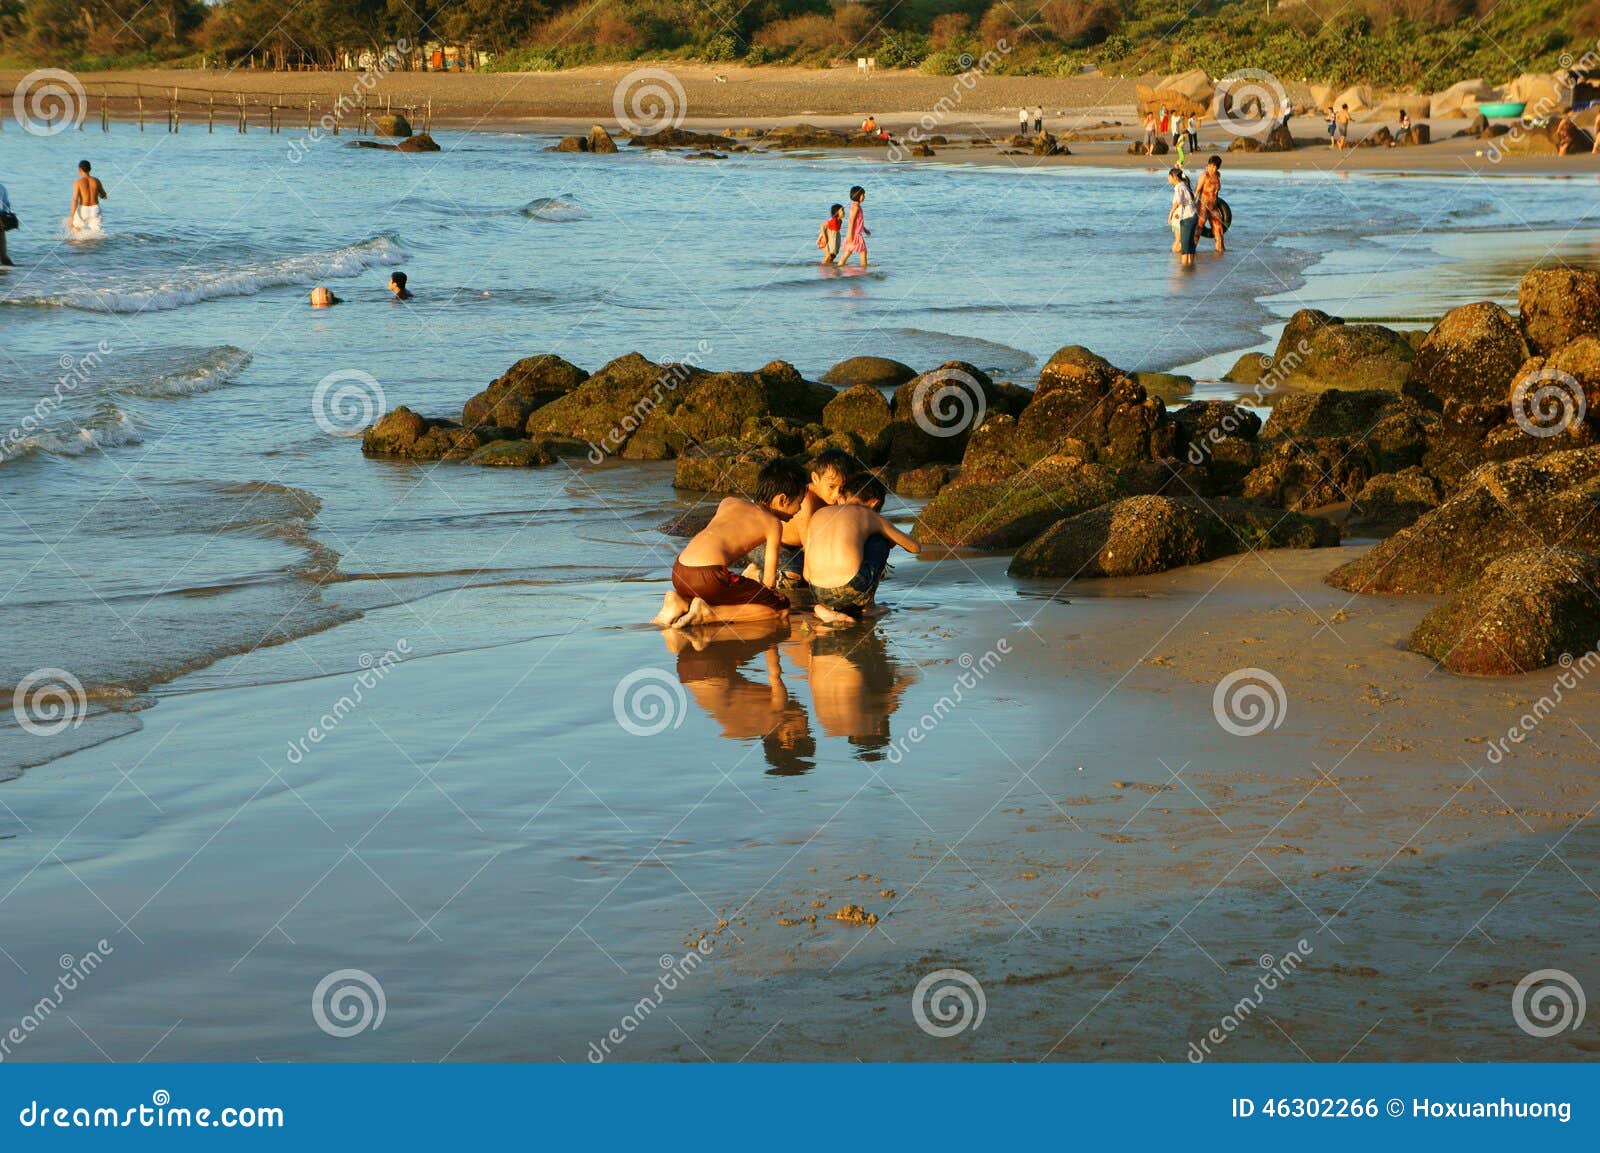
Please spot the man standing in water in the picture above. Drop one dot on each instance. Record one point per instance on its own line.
(5, 219)
(87, 193)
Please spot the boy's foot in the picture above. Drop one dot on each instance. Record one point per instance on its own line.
(699, 613)
(873, 610)
(673, 606)
(830, 616)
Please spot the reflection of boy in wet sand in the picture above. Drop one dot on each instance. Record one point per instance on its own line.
(828, 472)
(855, 685)
(703, 590)
(746, 709)
(847, 549)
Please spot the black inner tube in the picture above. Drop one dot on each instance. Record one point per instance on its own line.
(1227, 219)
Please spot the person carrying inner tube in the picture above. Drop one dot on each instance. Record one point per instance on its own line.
(1209, 194)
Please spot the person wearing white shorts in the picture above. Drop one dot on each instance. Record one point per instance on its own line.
(87, 193)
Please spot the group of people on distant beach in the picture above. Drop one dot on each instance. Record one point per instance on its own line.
(818, 530)
(1183, 130)
(842, 236)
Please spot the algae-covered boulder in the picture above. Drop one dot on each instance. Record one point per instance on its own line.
(1525, 611)
(1353, 356)
(1169, 387)
(877, 371)
(513, 454)
(1310, 474)
(1249, 369)
(922, 482)
(532, 382)
(1471, 355)
(421, 142)
(936, 413)
(1075, 367)
(1557, 305)
(610, 406)
(391, 124)
(600, 140)
(1392, 500)
(404, 434)
(394, 433)
(860, 410)
(1005, 514)
(1078, 400)
(1392, 427)
(679, 138)
(1298, 331)
(1150, 534)
(1529, 503)
(722, 467)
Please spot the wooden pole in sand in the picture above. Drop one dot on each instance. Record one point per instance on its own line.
(176, 112)
(211, 115)
(105, 114)
(141, 110)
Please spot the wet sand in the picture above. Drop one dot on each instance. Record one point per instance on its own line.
(1078, 832)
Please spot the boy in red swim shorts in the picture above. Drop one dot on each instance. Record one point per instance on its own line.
(704, 591)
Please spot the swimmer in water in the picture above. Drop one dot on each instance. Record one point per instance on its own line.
(87, 193)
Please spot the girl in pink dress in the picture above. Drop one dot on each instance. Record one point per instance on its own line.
(856, 231)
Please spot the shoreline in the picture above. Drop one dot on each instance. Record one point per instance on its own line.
(569, 102)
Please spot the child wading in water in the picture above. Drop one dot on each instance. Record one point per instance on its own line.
(703, 590)
(828, 234)
(856, 232)
(847, 549)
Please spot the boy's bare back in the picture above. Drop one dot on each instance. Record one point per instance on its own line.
(834, 540)
(736, 529)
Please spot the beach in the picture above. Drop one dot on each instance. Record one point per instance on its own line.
(400, 727)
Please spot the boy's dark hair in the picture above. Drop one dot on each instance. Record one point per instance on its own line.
(782, 477)
(1215, 162)
(83, 166)
(866, 487)
(857, 192)
(398, 278)
(835, 209)
(834, 460)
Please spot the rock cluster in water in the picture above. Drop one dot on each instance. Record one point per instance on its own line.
(1470, 448)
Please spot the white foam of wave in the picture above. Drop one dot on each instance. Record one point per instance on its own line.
(554, 208)
(192, 285)
(213, 368)
(108, 429)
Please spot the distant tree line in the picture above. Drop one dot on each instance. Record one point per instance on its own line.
(1430, 43)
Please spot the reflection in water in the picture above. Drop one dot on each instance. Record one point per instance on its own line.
(855, 685)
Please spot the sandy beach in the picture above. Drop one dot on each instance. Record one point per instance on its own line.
(394, 719)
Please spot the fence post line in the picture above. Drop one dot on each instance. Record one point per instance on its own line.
(141, 109)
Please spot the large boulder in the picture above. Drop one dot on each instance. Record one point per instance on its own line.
(1310, 474)
(1339, 355)
(403, 434)
(936, 413)
(1416, 135)
(1004, 515)
(1526, 611)
(1546, 93)
(1391, 427)
(723, 467)
(513, 454)
(600, 140)
(878, 371)
(421, 142)
(679, 138)
(391, 124)
(1460, 99)
(1358, 97)
(1528, 503)
(532, 382)
(863, 411)
(1150, 534)
(1277, 138)
(1558, 305)
(610, 407)
(1471, 355)
(1076, 367)
(1392, 500)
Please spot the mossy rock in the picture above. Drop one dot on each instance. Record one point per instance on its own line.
(513, 454)
(608, 408)
(860, 410)
(1075, 367)
(874, 371)
(1151, 534)
(1346, 356)
(926, 481)
(1471, 355)
(529, 384)
(722, 469)
(1006, 514)
(1527, 610)
(1310, 474)
(1500, 508)
(1169, 387)
(1248, 369)
(1393, 428)
(1558, 305)
(1391, 501)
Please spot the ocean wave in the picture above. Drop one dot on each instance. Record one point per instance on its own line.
(556, 209)
(186, 286)
(110, 426)
(211, 368)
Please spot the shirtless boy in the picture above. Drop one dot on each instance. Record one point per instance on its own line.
(847, 549)
(703, 590)
(828, 472)
(87, 193)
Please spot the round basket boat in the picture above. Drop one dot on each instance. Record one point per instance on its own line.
(1501, 111)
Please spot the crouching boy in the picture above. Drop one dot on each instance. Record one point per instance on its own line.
(704, 591)
(847, 549)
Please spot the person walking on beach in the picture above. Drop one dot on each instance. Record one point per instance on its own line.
(8, 220)
(1149, 133)
(1038, 120)
(87, 193)
(1183, 214)
(1022, 121)
(1341, 128)
(1208, 194)
(1191, 128)
(856, 231)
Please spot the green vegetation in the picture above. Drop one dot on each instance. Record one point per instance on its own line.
(1426, 43)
